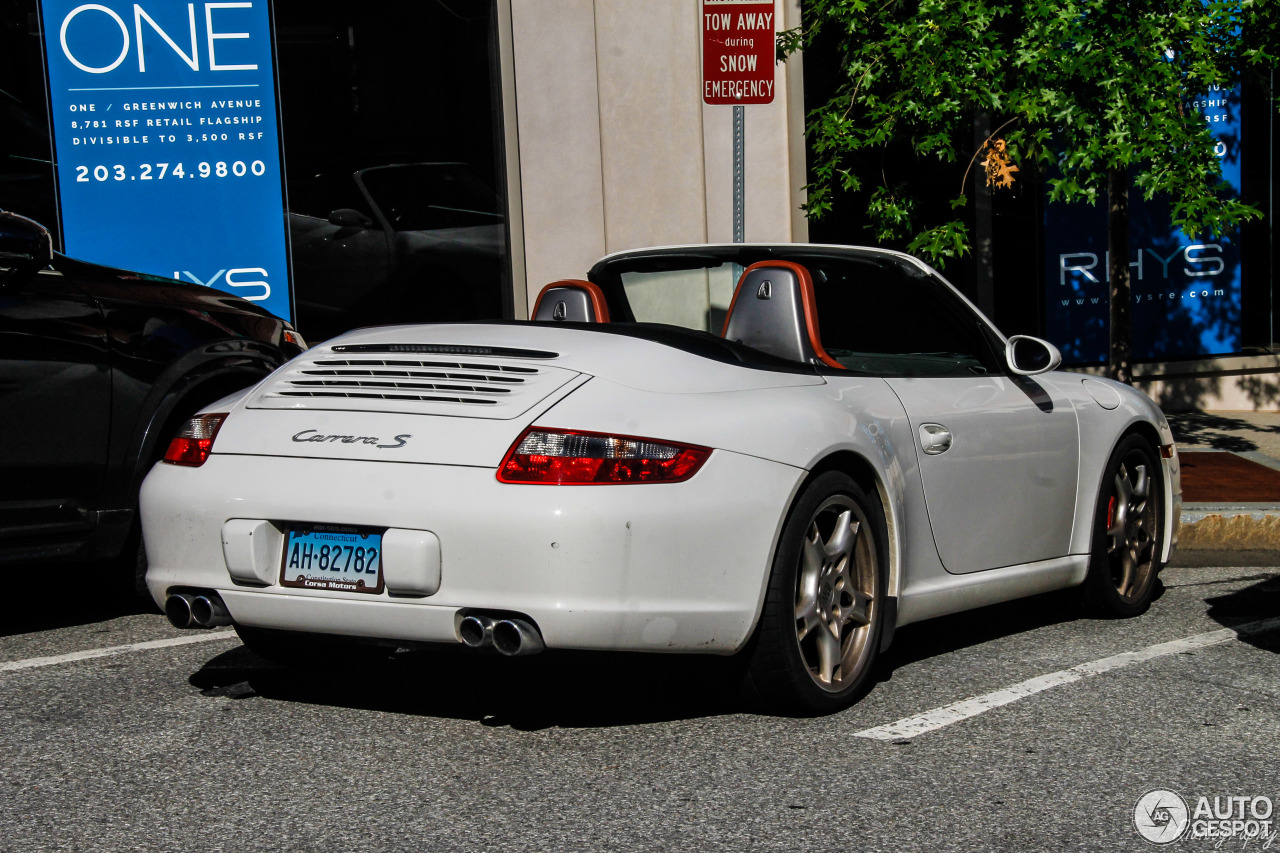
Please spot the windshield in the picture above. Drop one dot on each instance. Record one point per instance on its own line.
(694, 299)
(877, 313)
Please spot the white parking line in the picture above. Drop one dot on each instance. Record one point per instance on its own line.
(89, 654)
(938, 718)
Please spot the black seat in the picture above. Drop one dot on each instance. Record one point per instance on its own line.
(571, 300)
(774, 310)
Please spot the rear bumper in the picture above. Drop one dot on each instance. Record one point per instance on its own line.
(679, 567)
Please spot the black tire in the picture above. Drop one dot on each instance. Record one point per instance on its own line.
(819, 631)
(310, 651)
(1124, 559)
(136, 550)
(128, 571)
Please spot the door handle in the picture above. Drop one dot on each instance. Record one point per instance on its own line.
(934, 439)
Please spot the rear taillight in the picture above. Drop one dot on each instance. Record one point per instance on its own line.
(194, 442)
(570, 457)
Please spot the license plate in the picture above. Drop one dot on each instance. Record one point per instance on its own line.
(331, 556)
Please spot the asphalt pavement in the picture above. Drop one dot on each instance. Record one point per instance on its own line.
(1019, 727)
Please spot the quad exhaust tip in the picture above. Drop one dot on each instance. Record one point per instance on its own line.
(177, 608)
(196, 610)
(476, 631)
(509, 635)
(516, 637)
(208, 611)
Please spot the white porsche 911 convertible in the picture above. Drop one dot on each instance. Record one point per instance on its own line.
(856, 449)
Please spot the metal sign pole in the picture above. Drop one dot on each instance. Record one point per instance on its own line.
(738, 59)
(739, 173)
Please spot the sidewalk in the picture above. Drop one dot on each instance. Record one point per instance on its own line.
(1230, 479)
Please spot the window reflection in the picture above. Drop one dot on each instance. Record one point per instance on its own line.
(393, 161)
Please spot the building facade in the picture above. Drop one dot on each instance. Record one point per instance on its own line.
(445, 160)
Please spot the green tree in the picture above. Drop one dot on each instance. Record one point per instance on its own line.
(1084, 93)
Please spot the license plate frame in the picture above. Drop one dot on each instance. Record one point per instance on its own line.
(342, 549)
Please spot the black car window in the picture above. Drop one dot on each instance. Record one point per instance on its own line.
(883, 320)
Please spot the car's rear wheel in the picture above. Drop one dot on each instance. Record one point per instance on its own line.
(1125, 558)
(130, 567)
(823, 613)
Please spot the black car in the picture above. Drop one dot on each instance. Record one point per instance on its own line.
(98, 369)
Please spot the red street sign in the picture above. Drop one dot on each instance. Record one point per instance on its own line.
(738, 52)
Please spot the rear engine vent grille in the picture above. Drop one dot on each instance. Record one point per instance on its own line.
(445, 349)
(401, 379)
(323, 381)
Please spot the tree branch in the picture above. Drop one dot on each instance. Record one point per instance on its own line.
(981, 148)
(856, 88)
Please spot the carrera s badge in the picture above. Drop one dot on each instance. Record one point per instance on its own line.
(311, 435)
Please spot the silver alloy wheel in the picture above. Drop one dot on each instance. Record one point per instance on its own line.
(1131, 529)
(836, 594)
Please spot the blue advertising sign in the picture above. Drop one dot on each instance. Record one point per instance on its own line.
(165, 129)
(1186, 289)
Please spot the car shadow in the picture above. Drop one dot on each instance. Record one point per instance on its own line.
(924, 640)
(555, 689)
(87, 593)
(597, 690)
(1255, 603)
(560, 689)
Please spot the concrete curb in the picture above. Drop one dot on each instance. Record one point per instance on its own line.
(1230, 527)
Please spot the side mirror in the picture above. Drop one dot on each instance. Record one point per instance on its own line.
(348, 218)
(24, 243)
(1028, 356)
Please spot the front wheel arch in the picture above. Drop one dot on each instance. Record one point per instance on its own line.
(1092, 487)
(1126, 544)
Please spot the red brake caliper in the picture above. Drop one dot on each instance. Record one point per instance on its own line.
(1111, 512)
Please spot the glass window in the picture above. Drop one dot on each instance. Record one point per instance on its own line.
(321, 194)
(391, 110)
(879, 319)
(694, 299)
(428, 196)
(393, 156)
(877, 314)
(26, 168)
